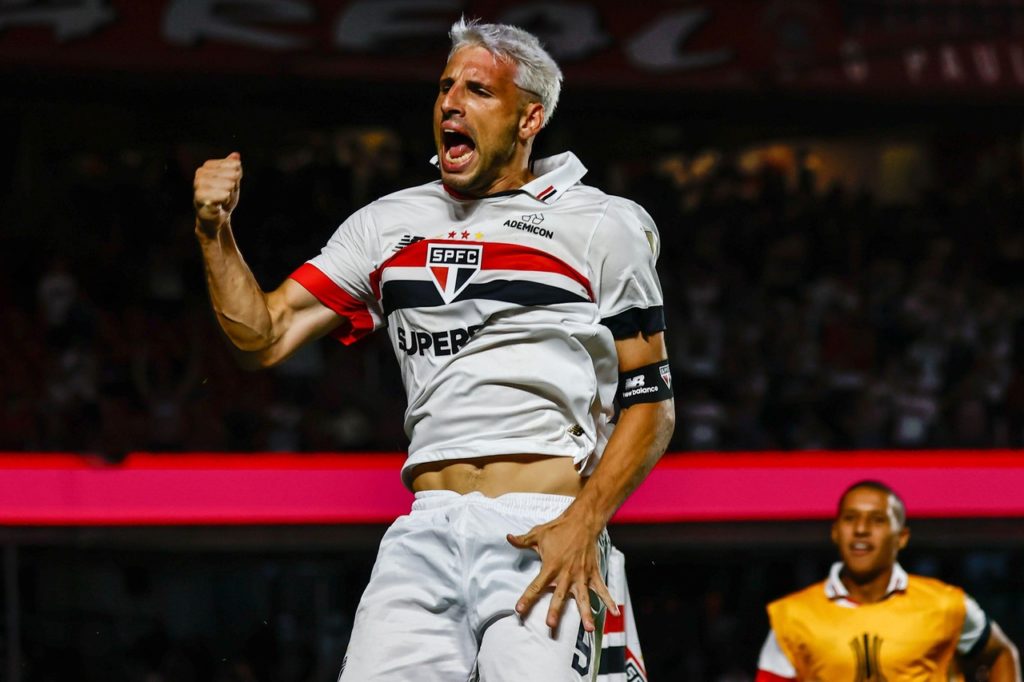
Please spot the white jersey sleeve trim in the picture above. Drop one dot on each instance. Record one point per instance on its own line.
(976, 627)
(773, 660)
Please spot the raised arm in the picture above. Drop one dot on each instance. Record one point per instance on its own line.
(265, 327)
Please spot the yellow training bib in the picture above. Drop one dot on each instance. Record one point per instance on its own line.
(909, 636)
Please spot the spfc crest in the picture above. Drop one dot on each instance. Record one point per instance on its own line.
(453, 266)
(666, 374)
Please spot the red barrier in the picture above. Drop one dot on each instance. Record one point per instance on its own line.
(890, 47)
(172, 489)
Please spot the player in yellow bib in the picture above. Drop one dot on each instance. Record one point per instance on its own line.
(872, 622)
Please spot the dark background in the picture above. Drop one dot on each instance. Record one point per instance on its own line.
(842, 271)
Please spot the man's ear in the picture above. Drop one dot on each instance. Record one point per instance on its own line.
(531, 121)
(835, 534)
(904, 538)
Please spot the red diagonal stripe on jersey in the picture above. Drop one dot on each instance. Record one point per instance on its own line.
(356, 321)
(613, 623)
(501, 256)
(497, 256)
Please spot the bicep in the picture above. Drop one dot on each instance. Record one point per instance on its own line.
(640, 350)
(298, 317)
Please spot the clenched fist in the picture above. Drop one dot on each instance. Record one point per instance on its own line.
(216, 192)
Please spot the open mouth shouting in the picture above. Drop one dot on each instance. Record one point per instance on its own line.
(457, 148)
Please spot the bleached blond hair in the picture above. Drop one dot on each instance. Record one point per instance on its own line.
(536, 71)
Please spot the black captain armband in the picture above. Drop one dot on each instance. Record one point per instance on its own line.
(648, 384)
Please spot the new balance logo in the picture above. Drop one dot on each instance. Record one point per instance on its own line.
(633, 382)
(405, 241)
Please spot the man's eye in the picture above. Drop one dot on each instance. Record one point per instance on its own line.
(477, 90)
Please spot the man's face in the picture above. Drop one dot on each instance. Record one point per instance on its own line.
(867, 533)
(480, 117)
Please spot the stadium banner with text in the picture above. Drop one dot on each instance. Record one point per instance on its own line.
(43, 489)
(876, 46)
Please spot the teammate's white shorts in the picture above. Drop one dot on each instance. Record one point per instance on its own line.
(440, 603)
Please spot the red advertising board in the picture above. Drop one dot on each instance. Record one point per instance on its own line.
(233, 489)
(878, 46)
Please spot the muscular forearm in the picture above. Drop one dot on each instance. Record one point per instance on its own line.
(238, 301)
(639, 440)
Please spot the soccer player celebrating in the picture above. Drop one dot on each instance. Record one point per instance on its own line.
(870, 621)
(521, 305)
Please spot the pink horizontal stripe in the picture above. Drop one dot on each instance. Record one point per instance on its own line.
(210, 488)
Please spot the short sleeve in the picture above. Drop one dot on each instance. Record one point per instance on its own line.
(340, 277)
(976, 630)
(623, 258)
(773, 660)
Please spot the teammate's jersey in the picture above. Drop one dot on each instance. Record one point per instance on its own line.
(912, 634)
(502, 311)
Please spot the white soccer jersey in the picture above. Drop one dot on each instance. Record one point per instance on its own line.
(502, 311)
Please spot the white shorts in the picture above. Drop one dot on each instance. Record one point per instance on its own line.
(441, 598)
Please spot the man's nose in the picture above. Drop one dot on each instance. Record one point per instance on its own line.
(452, 101)
(860, 526)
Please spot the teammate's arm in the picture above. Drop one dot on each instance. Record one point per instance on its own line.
(1000, 656)
(772, 663)
(265, 327)
(568, 544)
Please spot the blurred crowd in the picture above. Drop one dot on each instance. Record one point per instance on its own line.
(265, 616)
(801, 316)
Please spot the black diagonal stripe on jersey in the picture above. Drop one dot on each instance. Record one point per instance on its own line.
(522, 293)
(409, 294)
(398, 294)
(613, 660)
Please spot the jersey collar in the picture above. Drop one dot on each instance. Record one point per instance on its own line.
(555, 174)
(836, 590)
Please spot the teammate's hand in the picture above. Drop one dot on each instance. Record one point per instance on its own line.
(569, 563)
(216, 188)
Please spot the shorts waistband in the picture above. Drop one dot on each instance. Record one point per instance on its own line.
(509, 502)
